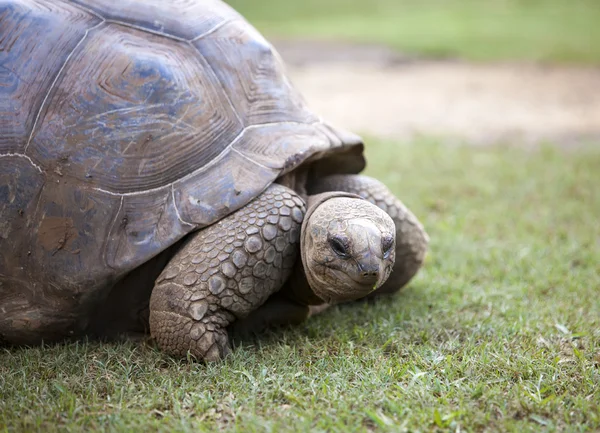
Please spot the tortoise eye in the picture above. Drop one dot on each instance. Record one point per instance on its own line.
(387, 244)
(339, 246)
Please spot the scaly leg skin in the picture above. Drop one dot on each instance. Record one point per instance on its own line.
(411, 238)
(224, 272)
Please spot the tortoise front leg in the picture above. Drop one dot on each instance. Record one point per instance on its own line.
(224, 272)
(411, 238)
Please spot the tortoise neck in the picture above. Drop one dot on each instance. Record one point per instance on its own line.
(297, 288)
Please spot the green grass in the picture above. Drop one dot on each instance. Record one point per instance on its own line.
(499, 332)
(544, 30)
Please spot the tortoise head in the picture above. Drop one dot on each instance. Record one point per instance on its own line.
(347, 246)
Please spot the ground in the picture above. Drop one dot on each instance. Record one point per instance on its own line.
(379, 92)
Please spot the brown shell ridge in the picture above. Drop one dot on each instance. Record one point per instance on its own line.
(107, 245)
(177, 209)
(20, 155)
(212, 70)
(155, 32)
(130, 25)
(58, 75)
(111, 230)
(89, 11)
(214, 29)
(144, 29)
(206, 166)
(216, 78)
(233, 149)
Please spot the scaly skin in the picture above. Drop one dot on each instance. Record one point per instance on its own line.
(411, 238)
(224, 272)
(348, 250)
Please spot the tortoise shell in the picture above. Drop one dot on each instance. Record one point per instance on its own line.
(124, 126)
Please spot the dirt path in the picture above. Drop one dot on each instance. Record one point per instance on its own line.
(375, 91)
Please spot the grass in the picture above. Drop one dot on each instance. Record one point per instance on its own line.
(481, 30)
(499, 332)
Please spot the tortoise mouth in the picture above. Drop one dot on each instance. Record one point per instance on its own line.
(347, 289)
(369, 283)
(370, 279)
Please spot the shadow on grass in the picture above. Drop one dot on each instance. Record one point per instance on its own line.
(405, 306)
(410, 304)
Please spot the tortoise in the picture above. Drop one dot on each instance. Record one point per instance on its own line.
(160, 172)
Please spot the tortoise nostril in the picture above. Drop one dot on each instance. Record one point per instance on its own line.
(369, 273)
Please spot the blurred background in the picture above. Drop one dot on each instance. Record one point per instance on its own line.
(484, 71)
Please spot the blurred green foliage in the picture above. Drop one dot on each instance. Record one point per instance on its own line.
(546, 30)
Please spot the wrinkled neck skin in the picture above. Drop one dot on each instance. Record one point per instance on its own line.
(347, 247)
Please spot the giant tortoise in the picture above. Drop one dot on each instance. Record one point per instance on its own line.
(159, 171)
